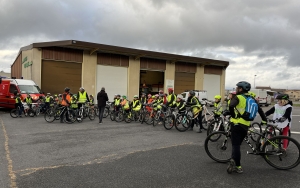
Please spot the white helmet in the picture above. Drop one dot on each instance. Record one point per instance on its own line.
(179, 96)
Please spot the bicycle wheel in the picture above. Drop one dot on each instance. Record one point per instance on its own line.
(156, 119)
(280, 158)
(169, 122)
(106, 112)
(113, 116)
(204, 123)
(50, 115)
(31, 113)
(69, 116)
(92, 114)
(182, 122)
(149, 119)
(119, 117)
(37, 111)
(255, 128)
(218, 146)
(14, 113)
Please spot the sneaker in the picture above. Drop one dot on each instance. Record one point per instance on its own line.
(233, 168)
(20, 116)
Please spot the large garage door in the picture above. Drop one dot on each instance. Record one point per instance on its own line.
(114, 79)
(184, 81)
(212, 84)
(56, 75)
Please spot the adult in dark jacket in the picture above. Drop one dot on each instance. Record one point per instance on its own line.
(101, 98)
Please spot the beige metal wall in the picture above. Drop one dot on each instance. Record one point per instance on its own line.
(32, 72)
(133, 77)
(89, 71)
(199, 77)
(169, 74)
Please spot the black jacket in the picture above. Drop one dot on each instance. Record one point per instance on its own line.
(102, 98)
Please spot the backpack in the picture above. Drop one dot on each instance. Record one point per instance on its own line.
(250, 110)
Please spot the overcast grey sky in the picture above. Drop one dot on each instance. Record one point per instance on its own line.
(257, 37)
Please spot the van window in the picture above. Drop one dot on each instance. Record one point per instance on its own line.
(29, 89)
(13, 89)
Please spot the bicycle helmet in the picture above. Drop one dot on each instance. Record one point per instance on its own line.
(218, 97)
(153, 97)
(192, 93)
(179, 97)
(149, 95)
(282, 96)
(156, 95)
(67, 89)
(170, 89)
(48, 94)
(161, 91)
(252, 94)
(232, 92)
(244, 85)
(81, 88)
(135, 96)
(124, 97)
(118, 95)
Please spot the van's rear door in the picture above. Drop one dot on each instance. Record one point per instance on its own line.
(4, 93)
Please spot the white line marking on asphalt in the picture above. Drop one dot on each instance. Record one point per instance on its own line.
(295, 115)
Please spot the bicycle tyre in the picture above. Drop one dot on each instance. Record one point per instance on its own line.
(70, 114)
(30, 112)
(113, 116)
(293, 150)
(169, 122)
(105, 112)
(148, 119)
(14, 113)
(119, 117)
(182, 122)
(92, 114)
(257, 128)
(204, 123)
(156, 119)
(223, 146)
(50, 116)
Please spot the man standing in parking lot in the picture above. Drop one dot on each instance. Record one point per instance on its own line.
(101, 98)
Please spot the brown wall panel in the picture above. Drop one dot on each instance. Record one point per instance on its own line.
(62, 54)
(184, 81)
(56, 75)
(112, 59)
(185, 67)
(16, 68)
(153, 64)
(211, 69)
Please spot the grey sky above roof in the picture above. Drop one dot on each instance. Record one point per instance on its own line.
(257, 37)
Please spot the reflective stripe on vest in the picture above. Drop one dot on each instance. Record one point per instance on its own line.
(47, 99)
(28, 101)
(82, 97)
(138, 107)
(241, 108)
(117, 102)
(170, 97)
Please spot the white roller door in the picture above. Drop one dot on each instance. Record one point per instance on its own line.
(212, 85)
(114, 79)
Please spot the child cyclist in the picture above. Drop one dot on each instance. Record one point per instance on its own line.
(196, 109)
(136, 106)
(180, 104)
(218, 109)
(125, 104)
(19, 104)
(283, 112)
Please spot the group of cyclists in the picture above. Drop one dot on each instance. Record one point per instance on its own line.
(235, 108)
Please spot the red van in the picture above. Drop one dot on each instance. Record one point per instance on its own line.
(9, 87)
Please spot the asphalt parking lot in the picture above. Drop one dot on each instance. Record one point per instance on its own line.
(35, 153)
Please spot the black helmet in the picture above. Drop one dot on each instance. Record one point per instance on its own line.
(245, 85)
(283, 96)
(67, 89)
(192, 93)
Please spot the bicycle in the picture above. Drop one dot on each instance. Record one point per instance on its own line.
(183, 121)
(122, 115)
(68, 114)
(107, 110)
(220, 123)
(14, 113)
(207, 117)
(218, 147)
(170, 118)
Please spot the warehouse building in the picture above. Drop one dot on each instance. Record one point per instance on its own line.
(126, 71)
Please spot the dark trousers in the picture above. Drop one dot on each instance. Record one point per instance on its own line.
(101, 111)
(238, 133)
(199, 120)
